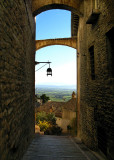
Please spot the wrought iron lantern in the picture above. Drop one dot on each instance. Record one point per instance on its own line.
(49, 70)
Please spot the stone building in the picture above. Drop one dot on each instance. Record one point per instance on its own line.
(93, 35)
(68, 114)
(64, 112)
(51, 106)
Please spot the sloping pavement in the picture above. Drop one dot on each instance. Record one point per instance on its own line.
(46, 147)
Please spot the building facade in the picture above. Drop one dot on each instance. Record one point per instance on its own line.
(95, 76)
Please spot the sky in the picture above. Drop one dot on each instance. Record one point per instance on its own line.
(50, 25)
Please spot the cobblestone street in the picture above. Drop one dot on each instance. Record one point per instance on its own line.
(45, 147)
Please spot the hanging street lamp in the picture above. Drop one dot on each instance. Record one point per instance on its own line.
(49, 70)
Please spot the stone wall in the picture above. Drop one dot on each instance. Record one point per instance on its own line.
(96, 96)
(67, 119)
(67, 114)
(17, 54)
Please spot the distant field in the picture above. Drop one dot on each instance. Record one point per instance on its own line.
(56, 93)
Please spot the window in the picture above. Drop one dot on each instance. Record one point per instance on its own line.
(92, 65)
(95, 113)
(110, 49)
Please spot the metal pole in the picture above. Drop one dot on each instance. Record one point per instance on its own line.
(41, 62)
(43, 65)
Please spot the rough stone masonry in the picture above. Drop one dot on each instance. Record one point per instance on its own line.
(17, 51)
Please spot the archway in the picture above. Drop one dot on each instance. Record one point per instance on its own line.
(71, 42)
(73, 6)
(63, 65)
(66, 74)
(40, 6)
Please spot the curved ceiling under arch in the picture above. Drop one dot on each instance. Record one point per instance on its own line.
(39, 6)
(71, 42)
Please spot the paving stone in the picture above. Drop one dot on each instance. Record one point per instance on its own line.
(46, 147)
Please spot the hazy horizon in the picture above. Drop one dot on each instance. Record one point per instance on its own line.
(58, 86)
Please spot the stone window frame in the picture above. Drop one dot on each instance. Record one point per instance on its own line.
(92, 61)
(110, 51)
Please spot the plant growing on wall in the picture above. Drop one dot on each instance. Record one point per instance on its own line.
(71, 128)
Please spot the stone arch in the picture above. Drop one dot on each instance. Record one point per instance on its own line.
(71, 42)
(43, 5)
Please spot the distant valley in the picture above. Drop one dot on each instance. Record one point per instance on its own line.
(56, 93)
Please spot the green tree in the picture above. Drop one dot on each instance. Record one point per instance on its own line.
(47, 123)
(51, 118)
(41, 116)
(44, 98)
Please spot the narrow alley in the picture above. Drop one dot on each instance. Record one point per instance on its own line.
(77, 38)
(46, 147)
